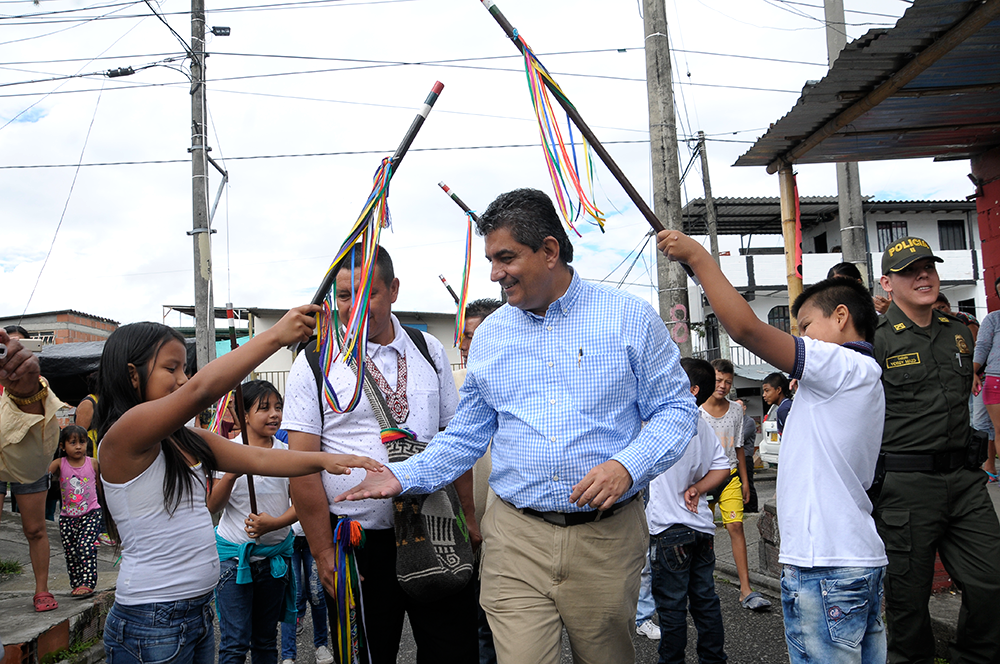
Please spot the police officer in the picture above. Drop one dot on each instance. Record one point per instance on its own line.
(933, 497)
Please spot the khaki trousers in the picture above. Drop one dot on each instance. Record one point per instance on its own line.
(538, 578)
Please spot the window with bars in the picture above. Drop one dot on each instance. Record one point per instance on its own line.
(951, 234)
(889, 232)
(778, 317)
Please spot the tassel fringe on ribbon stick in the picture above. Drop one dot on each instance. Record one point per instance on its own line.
(352, 347)
(577, 119)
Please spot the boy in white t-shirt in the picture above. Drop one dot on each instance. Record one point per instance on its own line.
(682, 534)
(834, 562)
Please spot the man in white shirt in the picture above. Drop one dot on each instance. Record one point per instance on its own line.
(422, 397)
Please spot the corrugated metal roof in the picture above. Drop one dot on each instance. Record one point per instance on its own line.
(949, 111)
(762, 215)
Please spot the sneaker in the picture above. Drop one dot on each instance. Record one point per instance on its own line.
(648, 629)
(300, 626)
(288, 661)
(323, 656)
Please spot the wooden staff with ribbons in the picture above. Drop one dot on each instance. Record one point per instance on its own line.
(585, 130)
(241, 415)
(395, 160)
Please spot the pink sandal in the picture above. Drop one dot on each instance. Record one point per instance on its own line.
(44, 602)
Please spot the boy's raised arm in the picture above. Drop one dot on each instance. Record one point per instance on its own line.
(742, 324)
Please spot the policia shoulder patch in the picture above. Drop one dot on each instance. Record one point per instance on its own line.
(904, 360)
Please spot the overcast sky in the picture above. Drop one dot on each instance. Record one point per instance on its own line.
(326, 76)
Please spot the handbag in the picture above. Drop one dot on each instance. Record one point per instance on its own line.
(433, 552)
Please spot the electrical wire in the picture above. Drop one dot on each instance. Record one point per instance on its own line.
(56, 90)
(846, 11)
(72, 186)
(299, 155)
(305, 4)
(187, 49)
(4, 17)
(102, 73)
(425, 62)
(55, 32)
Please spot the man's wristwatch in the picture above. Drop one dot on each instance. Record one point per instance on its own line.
(40, 395)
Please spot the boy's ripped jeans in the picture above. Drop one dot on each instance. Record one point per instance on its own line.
(833, 614)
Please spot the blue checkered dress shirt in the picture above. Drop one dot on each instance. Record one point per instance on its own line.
(561, 394)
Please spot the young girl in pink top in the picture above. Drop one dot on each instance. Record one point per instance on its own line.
(80, 518)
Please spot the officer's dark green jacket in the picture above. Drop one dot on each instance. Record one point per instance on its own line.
(927, 375)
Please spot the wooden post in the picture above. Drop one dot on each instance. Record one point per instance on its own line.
(672, 284)
(787, 187)
(713, 233)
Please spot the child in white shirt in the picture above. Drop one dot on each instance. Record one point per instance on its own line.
(682, 535)
(834, 562)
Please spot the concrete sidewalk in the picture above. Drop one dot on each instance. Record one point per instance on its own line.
(944, 606)
(29, 636)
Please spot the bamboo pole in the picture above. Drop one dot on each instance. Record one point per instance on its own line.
(786, 184)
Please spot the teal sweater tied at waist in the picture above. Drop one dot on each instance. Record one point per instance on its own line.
(278, 556)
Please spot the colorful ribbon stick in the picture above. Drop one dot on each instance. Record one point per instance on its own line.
(353, 343)
(585, 130)
(351, 634)
(450, 290)
(220, 411)
(463, 300)
(240, 412)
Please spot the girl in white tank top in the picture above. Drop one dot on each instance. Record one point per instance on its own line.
(155, 472)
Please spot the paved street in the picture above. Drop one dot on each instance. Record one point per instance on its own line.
(750, 637)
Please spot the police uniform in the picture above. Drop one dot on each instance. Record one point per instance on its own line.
(931, 501)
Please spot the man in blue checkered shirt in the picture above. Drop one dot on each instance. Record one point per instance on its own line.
(562, 381)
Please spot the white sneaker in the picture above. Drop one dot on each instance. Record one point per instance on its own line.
(648, 629)
(288, 661)
(323, 656)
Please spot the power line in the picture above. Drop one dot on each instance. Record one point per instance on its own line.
(298, 155)
(253, 76)
(187, 49)
(304, 4)
(56, 91)
(49, 34)
(846, 11)
(72, 186)
(422, 62)
(69, 11)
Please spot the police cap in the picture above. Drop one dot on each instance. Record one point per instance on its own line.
(898, 255)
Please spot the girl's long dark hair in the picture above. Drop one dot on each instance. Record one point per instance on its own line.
(138, 344)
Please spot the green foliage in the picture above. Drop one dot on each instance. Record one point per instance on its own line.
(9, 567)
(68, 653)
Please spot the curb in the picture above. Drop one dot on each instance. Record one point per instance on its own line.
(759, 581)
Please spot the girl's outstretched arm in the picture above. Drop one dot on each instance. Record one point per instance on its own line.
(136, 436)
(234, 457)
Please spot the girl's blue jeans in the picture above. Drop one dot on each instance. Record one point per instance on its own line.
(833, 615)
(249, 614)
(163, 633)
(302, 568)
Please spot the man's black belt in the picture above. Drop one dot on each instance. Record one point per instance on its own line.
(928, 462)
(574, 518)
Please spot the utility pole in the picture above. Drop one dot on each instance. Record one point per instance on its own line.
(673, 293)
(713, 232)
(204, 307)
(852, 221)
